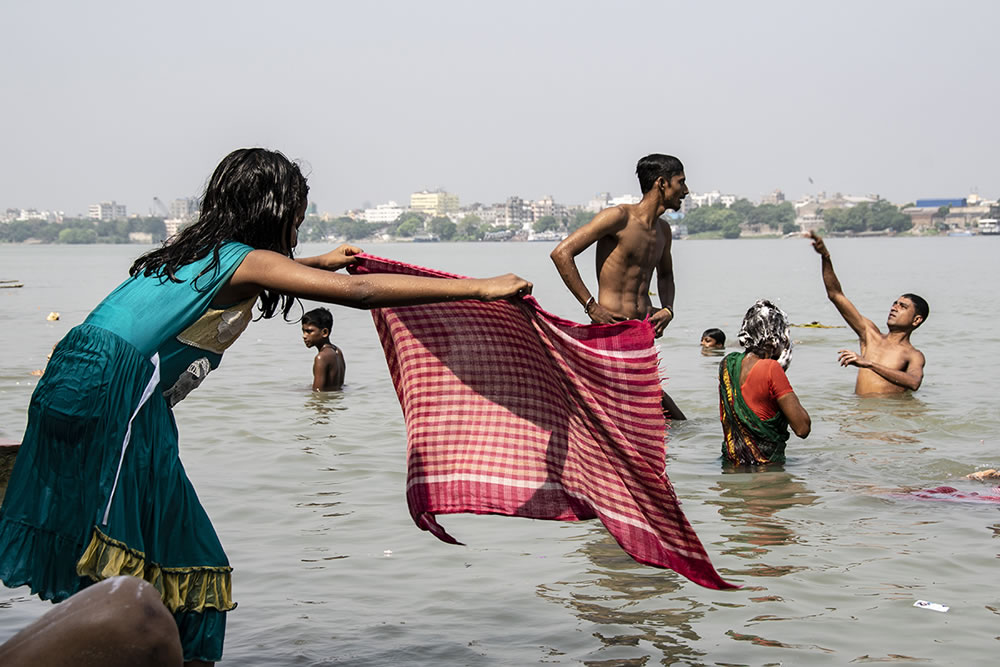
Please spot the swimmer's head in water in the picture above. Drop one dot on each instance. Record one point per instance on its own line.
(908, 311)
(713, 339)
(765, 333)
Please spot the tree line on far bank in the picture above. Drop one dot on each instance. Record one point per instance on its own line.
(718, 220)
(81, 230)
(715, 220)
(413, 224)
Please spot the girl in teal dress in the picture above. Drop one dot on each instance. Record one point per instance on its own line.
(98, 489)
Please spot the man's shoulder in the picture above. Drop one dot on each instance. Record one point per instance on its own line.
(620, 214)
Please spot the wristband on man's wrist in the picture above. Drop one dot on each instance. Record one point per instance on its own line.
(590, 302)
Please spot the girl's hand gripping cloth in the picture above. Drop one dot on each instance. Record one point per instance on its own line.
(511, 410)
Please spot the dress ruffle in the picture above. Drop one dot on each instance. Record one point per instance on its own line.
(191, 589)
(19, 567)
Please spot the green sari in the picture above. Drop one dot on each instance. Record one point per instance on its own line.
(748, 438)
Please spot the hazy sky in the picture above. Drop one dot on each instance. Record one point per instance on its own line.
(117, 100)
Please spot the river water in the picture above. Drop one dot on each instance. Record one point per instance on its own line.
(306, 490)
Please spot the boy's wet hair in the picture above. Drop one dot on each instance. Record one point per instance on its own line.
(321, 318)
(654, 166)
(919, 305)
(716, 335)
(254, 196)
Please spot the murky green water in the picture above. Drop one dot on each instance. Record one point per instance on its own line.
(306, 491)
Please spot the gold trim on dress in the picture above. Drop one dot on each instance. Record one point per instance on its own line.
(181, 588)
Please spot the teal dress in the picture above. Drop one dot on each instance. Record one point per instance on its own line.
(98, 489)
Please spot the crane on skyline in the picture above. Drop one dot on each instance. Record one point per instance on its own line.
(162, 207)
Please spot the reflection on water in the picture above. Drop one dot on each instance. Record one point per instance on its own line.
(634, 607)
(760, 641)
(323, 405)
(751, 502)
(890, 419)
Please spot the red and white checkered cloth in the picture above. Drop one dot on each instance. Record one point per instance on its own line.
(511, 410)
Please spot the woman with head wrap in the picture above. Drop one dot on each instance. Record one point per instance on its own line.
(756, 402)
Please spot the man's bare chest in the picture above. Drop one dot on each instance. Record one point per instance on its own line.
(888, 354)
(639, 248)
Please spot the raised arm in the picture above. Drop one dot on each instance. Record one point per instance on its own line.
(606, 223)
(910, 377)
(664, 287)
(263, 269)
(848, 311)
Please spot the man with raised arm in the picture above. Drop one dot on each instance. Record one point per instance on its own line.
(631, 241)
(888, 363)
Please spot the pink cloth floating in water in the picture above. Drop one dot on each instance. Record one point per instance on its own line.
(951, 494)
(511, 410)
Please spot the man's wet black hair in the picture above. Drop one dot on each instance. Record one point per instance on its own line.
(321, 318)
(919, 305)
(653, 167)
(254, 196)
(715, 334)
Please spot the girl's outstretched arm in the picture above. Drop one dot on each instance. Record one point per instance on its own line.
(263, 269)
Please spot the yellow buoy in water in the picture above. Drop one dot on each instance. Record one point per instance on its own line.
(53, 316)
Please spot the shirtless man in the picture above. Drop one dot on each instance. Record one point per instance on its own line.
(631, 241)
(888, 363)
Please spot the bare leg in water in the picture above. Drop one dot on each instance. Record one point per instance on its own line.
(118, 622)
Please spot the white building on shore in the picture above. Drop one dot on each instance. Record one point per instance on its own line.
(383, 214)
(107, 210)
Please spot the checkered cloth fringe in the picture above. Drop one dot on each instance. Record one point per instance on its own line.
(511, 410)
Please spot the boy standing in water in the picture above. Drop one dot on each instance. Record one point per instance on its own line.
(888, 363)
(631, 241)
(329, 366)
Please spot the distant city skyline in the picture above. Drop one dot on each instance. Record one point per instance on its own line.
(172, 207)
(559, 98)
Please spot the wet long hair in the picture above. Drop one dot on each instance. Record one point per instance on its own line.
(255, 197)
